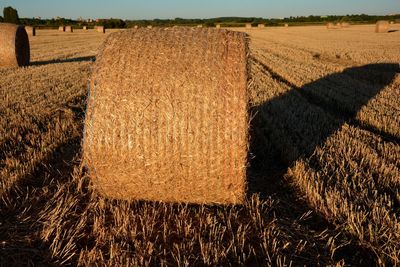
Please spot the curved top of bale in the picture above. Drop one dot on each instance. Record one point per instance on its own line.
(14, 46)
(167, 116)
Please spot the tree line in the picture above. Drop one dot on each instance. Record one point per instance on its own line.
(11, 15)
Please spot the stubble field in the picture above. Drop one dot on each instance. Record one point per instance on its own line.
(323, 180)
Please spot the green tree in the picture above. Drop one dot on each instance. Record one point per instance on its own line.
(10, 15)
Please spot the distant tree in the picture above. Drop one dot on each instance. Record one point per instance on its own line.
(10, 15)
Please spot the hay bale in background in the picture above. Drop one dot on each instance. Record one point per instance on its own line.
(30, 30)
(167, 116)
(345, 25)
(84, 28)
(149, 27)
(101, 29)
(200, 26)
(330, 26)
(69, 29)
(218, 26)
(14, 46)
(286, 25)
(136, 27)
(338, 25)
(261, 26)
(382, 26)
(248, 26)
(61, 28)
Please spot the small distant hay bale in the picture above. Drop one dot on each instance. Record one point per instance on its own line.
(136, 27)
(338, 25)
(331, 26)
(30, 30)
(218, 26)
(149, 27)
(248, 26)
(382, 26)
(84, 28)
(261, 26)
(101, 29)
(156, 126)
(345, 25)
(14, 46)
(61, 28)
(392, 22)
(286, 25)
(200, 26)
(69, 29)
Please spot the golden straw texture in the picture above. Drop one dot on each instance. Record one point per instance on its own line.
(14, 46)
(61, 28)
(167, 116)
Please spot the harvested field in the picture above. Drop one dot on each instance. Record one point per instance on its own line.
(323, 182)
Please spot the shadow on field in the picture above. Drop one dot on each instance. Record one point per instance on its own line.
(68, 60)
(293, 125)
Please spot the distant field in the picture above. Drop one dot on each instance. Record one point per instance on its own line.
(325, 173)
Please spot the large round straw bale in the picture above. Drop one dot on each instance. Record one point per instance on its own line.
(101, 29)
(69, 29)
(61, 28)
(382, 26)
(14, 46)
(167, 116)
(248, 26)
(30, 30)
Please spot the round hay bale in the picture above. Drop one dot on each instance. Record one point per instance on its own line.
(218, 26)
(149, 27)
(382, 26)
(330, 26)
(167, 117)
(69, 29)
(248, 26)
(286, 25)
(101, 29)
(200, 26)
(345, 25)
(261, 26)
(61, 28)
(14, 46)
(136, 27)
(30, 30)
(84, 28)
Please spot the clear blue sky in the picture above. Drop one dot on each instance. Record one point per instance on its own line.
(148, 9)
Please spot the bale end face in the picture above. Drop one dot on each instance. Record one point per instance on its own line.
(14, 46)
(101, 29)
(69, 29)
(169, 128)
(382, 26)
(61, 28)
